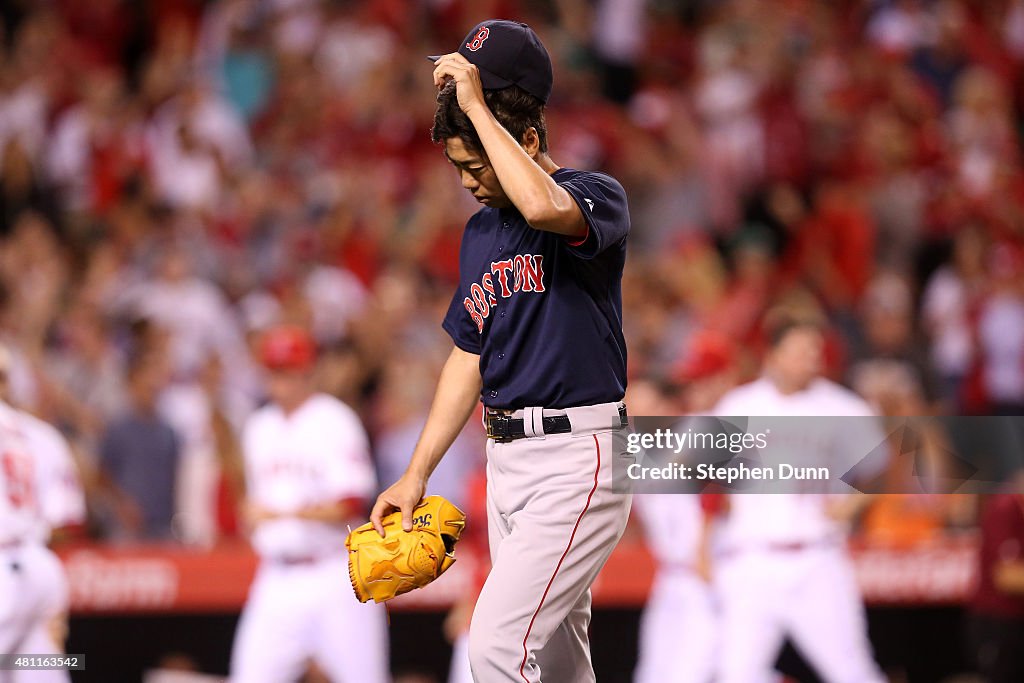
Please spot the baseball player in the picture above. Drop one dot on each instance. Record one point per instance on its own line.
(33, 588)
(62, 515)
(781, 566)
(40, 494)
(536, 323)
(61, 500)
(308, 474)
(679, 626)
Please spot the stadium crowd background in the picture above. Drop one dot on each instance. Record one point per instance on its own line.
(177, 175)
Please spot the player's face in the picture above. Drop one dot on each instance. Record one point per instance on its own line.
(288, 387)
(476, 173)
(798, 357)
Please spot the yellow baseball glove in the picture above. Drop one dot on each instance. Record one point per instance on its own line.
(381, 568)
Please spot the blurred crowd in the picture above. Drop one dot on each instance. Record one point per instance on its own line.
(177, 175)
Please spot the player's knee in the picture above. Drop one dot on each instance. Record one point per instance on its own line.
(490, 649)
(483, 650)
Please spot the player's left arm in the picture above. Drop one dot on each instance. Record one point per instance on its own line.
(331, 512)
(334, 512)
(542, 202)
(347, 475)
(862, 447)
(63, 493)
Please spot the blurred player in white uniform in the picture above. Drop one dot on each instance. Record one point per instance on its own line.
(782, 566)
(62, 498)
(62, 511)
(678, 628)
(679, 625)
(61, 508)
(308, 475)
(39, 492)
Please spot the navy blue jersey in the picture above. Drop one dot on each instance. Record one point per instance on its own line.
(542, 310)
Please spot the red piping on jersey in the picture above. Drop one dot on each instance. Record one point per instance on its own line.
(586, 234)
(597, 471)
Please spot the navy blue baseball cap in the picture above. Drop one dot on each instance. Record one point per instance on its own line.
(508, 53)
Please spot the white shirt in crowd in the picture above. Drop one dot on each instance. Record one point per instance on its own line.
(944, 308)
(1001, 337)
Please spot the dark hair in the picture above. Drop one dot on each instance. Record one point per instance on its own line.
(515, 109)
(779, 328)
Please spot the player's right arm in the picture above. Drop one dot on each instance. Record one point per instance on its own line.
(458, 391)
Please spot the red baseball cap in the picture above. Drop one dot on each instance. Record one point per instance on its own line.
(287, 347)
(708, 353)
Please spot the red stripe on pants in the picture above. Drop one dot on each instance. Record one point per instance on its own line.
(597, 471)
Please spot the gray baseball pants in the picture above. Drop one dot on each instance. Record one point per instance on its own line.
(553, 520)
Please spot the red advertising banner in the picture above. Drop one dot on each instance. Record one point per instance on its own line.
(169, 579)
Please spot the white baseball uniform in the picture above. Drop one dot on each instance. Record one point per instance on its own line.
(33, 588)
(459, 671)
(301, 605)
(783, 568)
(61, 499)
(679, 625)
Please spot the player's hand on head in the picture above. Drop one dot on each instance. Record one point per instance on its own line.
(405, 494)
(468, 87)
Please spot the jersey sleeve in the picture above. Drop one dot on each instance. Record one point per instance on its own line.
(249, 439)
(460, 323)
(866, 451)
(603, 203)
(463, 322)
(63, 499)
(349, 472)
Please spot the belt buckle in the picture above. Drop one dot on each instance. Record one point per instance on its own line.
(493, 418)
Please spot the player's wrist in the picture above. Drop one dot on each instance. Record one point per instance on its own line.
(479, 115)
(417, 474)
